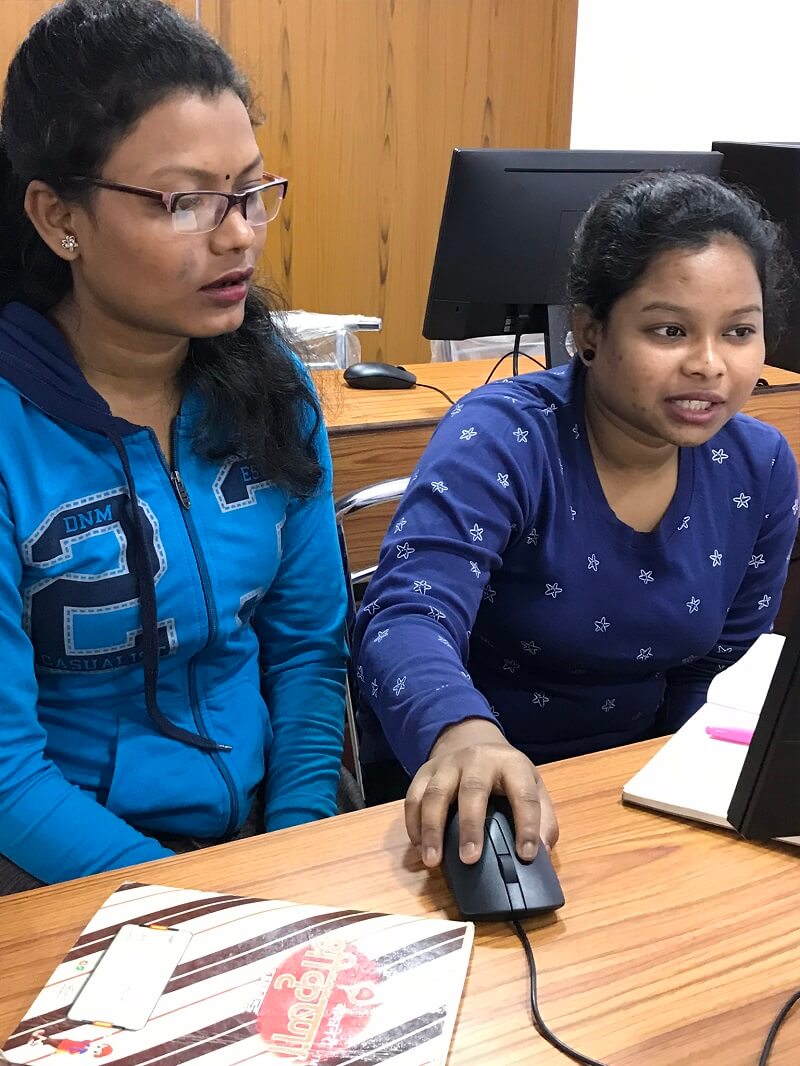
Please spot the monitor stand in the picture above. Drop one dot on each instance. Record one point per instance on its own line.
(555, 335)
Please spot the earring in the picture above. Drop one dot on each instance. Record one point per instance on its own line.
(69, 243)
(587, 355)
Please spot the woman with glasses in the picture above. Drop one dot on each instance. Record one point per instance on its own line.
(581, 550)
(171, 598)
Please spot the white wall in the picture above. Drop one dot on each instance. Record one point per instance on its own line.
(677, 74)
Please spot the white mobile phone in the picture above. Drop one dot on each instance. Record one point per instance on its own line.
(130, 978)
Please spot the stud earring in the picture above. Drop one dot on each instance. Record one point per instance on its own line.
(69, 243)
(587, 355)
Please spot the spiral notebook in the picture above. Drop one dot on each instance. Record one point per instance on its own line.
(262, 982)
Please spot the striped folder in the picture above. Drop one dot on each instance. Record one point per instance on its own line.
(264, 982)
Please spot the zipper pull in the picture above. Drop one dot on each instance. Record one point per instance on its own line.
(180, 489)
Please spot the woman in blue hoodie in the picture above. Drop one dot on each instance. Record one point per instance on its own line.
(171, 599)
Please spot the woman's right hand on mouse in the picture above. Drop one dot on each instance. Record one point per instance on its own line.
(469, 761)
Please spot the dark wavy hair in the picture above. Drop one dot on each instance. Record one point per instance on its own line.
(642, 216)
(86, 73)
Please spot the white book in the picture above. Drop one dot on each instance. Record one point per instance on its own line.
(694, 775)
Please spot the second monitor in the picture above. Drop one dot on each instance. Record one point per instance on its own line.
(507, 227)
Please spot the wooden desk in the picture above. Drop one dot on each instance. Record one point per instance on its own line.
(676, 947)
(377, 435)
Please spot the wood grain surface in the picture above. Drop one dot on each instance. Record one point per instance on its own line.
(676, 946)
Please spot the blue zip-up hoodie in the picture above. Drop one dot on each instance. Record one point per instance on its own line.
(156, 660)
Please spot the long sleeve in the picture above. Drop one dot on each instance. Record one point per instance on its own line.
(471, 493)
(300, 626)
(756, 603)
(49, 827)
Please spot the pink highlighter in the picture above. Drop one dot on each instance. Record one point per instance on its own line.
(734, 736)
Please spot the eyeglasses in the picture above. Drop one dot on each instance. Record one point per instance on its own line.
(202, 210)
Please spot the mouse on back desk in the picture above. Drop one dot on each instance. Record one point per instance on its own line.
(499, 885)
(378, 376)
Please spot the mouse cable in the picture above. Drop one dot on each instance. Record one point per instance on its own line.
(544, 1031)
(420, 385)
(773, 1032)
(524, 355)
(539, 1023)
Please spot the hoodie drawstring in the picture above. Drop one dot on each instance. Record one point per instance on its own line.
(149, 612)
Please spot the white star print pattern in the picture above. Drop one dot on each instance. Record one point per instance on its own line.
(723, 650)
(439, 486)
(374, 688)
(360, 673)
(371, 608)
(520, 523)
(382, 635)
(459, 407)
(795, 505)
(422, 587)
(399, 685)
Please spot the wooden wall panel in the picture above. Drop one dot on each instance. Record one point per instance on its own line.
(364, 101)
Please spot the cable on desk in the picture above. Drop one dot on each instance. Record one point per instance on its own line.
(506, 356)
(780, 1017)
(420, 385)
(539, 1023)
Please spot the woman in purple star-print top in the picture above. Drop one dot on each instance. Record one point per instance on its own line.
(581, 550)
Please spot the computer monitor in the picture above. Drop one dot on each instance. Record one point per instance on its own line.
(771, 171)
(766, 801)
(507, 226)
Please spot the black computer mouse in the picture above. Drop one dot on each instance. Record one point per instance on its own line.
(378, 376)
(499, 885)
